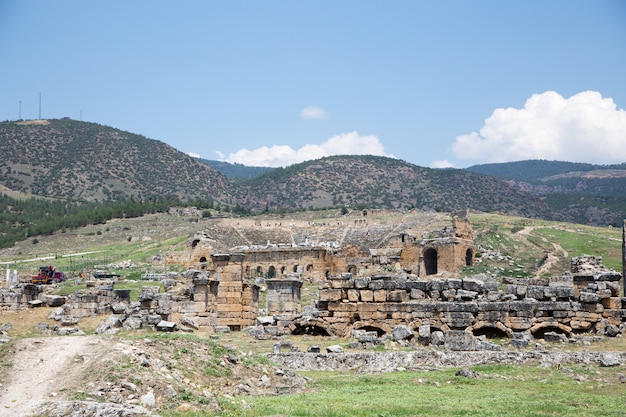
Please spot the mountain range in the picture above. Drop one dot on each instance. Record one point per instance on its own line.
(81, 161)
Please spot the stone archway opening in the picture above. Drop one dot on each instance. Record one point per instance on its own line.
(490, 332)
(203, 259)
(539, 332)
(271, 272)
(379, 332)
(352, 269)
(259, 271)
(310, 330)
(469, 257)
(430, 261)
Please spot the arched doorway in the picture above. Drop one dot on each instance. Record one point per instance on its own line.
(352, 269)
(469, 257)
(271, 273)
(430, 261)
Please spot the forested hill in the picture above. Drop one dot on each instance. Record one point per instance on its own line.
(374, 181)
(86, 162)
(90, 162)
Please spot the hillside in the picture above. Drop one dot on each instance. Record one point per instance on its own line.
(577, 192)
(89, 162)
(83, 161)
(379, 182)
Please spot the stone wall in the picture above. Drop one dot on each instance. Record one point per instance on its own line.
(567, 304)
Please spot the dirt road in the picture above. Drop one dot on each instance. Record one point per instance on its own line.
(42, 367)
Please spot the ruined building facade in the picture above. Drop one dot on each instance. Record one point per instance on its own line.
(321, 250)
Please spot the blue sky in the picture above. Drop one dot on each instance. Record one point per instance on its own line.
(434, 83)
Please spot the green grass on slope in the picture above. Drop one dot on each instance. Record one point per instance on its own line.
(499, 391)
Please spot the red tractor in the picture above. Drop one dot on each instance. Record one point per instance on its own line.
(48, 275)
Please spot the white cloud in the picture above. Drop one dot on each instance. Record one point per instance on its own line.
(584, 128)
(194, 155)
(283, 155)
(441, 164)
(313, 112)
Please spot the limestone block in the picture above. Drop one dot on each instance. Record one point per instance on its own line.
(518, 323)
(340, 283)
(397, 296)
(331, 295)
(457, 340)
(376, 285)
(229, 307)
(560, 314)
(380, 296)
(353, 295)
(417, 294)
(612, 303)
(563, 292)
(473, 284)
(362, 282)
(454, 283)
(349, 307)
(402, 332)
(437, 285)
(493, 316)
(589, 297)
(535, 291)
(459, 320)
(367, 295)
(493, 306)
(466, 295)
(369, 307)
(449, 294)
(423, 285)
(580, 325)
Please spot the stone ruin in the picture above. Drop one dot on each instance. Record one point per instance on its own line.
(424, 244)
(587, 300)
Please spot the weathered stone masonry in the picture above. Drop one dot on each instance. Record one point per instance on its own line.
(582, 302)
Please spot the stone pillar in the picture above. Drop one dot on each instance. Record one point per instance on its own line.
(236, 303)
(283, 296)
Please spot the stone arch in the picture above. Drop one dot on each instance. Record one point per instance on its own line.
(247, 271)
(539, 330)
(309, 268)
(194, 243)
(430, 261)
(372, 326)
(490, 330)
(282, 269)
(352, 269)
(271, 272)
(259, 271)
(469, 257)
(203, 259)
(306, 325)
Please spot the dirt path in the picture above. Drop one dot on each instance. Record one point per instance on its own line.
(42, 367)
(552, 256)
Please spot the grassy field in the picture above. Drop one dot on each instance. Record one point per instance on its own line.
(502, 390)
